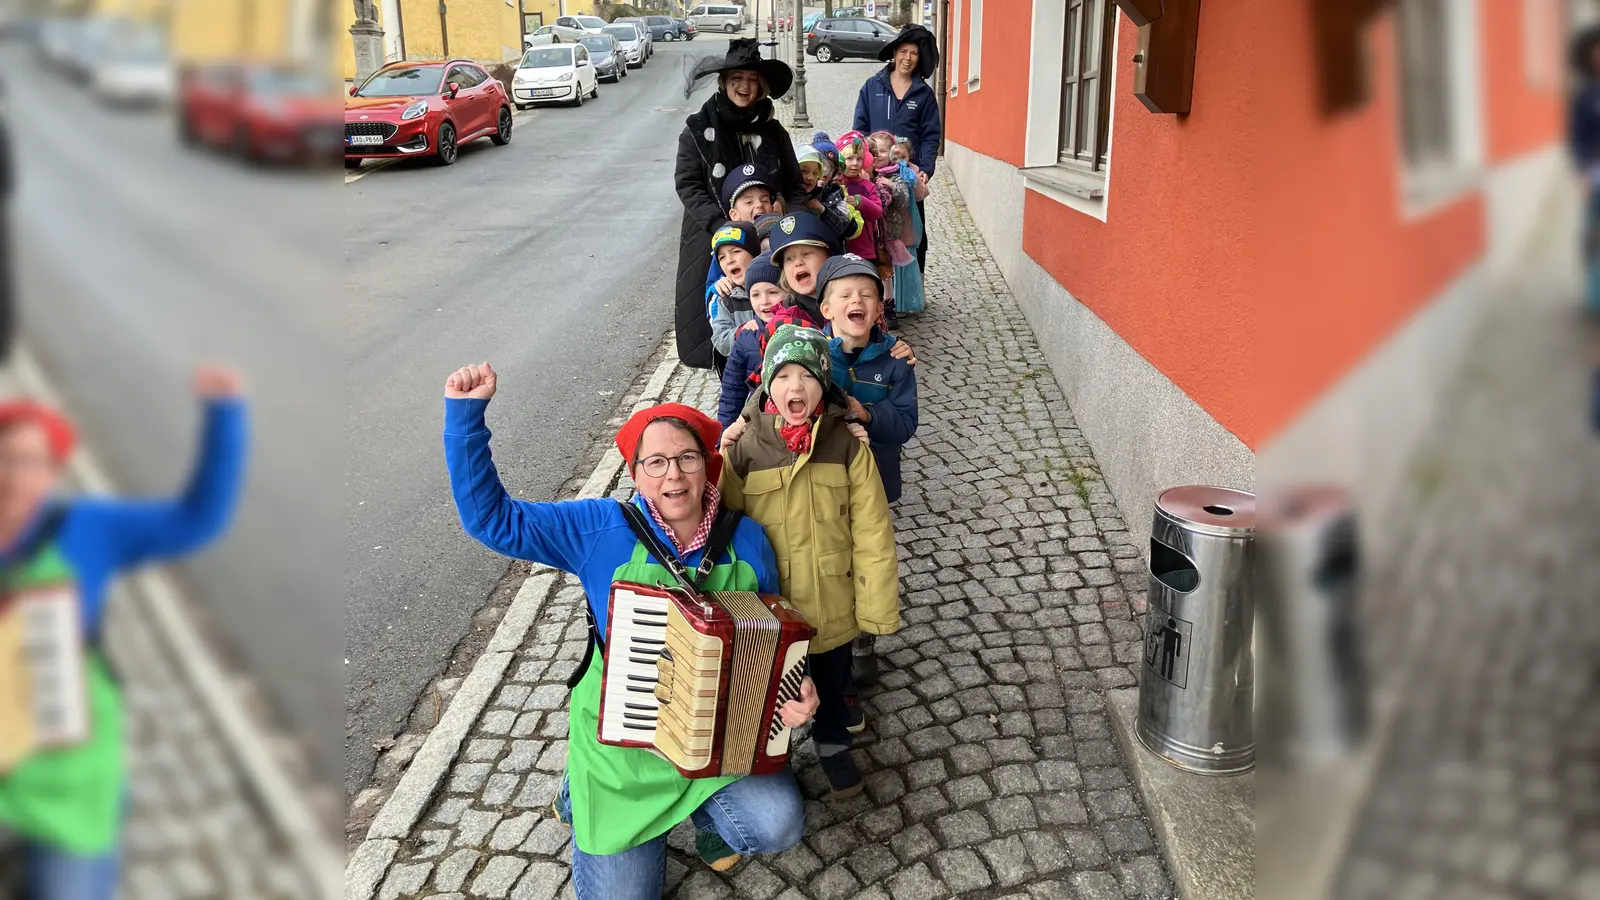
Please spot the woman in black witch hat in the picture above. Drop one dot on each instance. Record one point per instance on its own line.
(736, 127)
(897, 99)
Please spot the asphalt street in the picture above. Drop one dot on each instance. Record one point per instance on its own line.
(137, 258)
(552, 258)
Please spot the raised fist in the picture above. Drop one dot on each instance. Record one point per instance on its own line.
(475, 382)
(214, 382)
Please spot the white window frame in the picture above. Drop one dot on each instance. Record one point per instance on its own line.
(956, 34)
(1042, 169)
(974, 43)
(1427, 187)
(1541, 52)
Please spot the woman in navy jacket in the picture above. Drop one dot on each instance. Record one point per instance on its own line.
(898, 100)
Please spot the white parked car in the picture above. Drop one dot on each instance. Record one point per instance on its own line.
(588, 24)
(644, 32)
(134, 70)
(632, 44)
(558, 73)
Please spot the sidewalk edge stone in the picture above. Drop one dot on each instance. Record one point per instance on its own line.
(1204, 824)
(367, 867)
(433, 761)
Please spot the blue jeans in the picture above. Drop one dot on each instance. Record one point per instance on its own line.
(756, 814)
(58, 875)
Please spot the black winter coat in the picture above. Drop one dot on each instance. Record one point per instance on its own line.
(700, 191)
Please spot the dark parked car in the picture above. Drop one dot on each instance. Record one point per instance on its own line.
(686, 29)
(834, 39)
(606, 54)
(663, 28)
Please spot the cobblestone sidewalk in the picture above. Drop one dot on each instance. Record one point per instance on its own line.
(1490, 785)
(990, 766)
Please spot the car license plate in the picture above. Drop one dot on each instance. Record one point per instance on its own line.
(359, 139)
(544, 92)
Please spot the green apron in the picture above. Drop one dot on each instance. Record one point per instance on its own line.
(625, 796)
(70, 798)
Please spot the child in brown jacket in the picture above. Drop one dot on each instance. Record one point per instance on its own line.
(799, 471)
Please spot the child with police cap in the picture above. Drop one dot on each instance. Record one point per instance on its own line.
(735, 246)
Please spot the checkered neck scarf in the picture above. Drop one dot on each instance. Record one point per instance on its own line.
(712, 502)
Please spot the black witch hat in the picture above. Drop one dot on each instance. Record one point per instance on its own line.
(743, 53)
(927, 48)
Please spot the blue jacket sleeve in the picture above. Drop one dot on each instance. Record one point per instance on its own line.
(929, 130)
(735, 382)
(894, 420)
(135, 532)
(558, 535)
(750, 542)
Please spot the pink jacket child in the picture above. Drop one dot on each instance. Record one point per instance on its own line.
(858, 184)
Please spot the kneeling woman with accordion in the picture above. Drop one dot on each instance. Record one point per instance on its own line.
(695, 673)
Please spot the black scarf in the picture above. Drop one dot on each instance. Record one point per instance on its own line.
(725, 122)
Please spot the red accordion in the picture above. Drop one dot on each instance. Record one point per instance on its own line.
(699, 678)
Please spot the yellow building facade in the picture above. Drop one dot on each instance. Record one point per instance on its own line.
(488, 31)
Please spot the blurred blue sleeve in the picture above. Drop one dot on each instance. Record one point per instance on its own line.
(135, 532)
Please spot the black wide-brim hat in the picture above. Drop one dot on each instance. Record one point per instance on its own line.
(745, 53)
(927, 48)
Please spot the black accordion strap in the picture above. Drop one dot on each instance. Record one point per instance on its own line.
(716, 544)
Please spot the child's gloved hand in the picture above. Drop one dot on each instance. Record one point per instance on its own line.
(798, 712)
(902, 350)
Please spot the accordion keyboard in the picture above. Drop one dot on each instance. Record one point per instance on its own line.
(794, 672)
(638, 633)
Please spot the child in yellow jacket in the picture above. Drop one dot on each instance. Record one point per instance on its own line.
(799, 471)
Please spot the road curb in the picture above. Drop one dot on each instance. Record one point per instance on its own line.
(427, 771)
(248, 743)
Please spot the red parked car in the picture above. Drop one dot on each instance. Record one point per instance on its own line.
(259, 111)
(424, 109)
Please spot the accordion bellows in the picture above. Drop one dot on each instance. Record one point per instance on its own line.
(699, 678)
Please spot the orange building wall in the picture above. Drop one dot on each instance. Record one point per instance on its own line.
(1254, 252)
(993, 120)
(1522, 115)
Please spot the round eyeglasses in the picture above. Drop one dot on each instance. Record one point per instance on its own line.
(689, 462)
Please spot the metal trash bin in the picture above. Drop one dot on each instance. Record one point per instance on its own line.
(1313, 705)
(1197, 688)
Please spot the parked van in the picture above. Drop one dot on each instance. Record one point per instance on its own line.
(718, 17)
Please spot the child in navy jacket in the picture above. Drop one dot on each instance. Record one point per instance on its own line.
(750, 340)
(882, 388)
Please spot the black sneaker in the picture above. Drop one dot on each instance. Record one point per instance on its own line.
(864, 660)
(843, 779)
(892, 320)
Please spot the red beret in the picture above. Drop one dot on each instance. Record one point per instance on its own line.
(709, 430)
(56, 427)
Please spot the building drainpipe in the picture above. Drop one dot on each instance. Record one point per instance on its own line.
(444, 31)
(400, 24)
(942, 13)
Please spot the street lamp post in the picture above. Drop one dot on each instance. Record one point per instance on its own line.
(801, 119)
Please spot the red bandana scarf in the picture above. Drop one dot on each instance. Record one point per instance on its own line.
(796, 437)
(712, 501)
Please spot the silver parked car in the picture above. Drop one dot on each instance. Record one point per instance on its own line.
(632, 43)
(644, 32)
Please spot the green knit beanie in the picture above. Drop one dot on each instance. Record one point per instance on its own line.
(805, 347)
